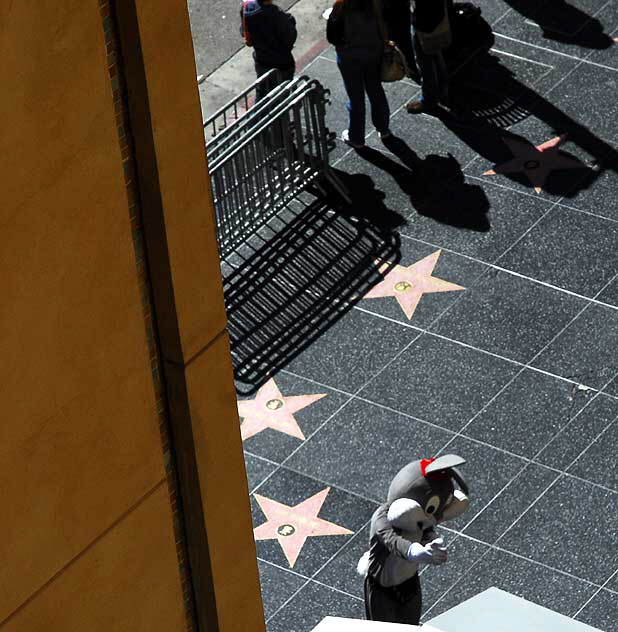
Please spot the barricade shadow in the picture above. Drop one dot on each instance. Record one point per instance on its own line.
(436, 186)
(299, 274)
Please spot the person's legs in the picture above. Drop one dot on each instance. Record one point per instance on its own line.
(401, 604)
(427, 68)
(380, 112)
(442, 78)
(434, 80)
(264, 88)
(352, 74)
(288, 74)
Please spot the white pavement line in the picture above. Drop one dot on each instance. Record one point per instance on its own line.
(532, 61)
(560, 203)
(555, 52)
(603, 586)
(317, 572)
(523, 276)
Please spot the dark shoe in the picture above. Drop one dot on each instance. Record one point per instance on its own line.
(385, 136)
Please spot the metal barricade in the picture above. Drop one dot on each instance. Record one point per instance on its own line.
(238, 107)
(267, 156)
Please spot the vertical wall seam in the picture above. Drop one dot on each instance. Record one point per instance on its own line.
(119, 95)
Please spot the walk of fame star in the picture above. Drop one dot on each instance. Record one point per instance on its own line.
(291, 526)
(536, 163)
(270, 409)
(408, 284)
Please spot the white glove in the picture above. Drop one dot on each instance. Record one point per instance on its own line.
(433, 552)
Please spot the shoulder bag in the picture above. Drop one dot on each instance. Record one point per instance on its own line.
(438, 39)
(394, 65)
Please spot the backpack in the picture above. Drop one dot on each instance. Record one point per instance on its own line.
(470, 30)
(438, 39)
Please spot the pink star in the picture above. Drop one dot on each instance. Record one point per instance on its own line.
(408, 284)
(291, 526)
(536, 163)
(270, 409)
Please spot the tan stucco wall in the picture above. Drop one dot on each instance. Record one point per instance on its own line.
(79, 438)
(87, 541)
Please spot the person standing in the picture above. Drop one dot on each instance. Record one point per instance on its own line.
(272, 34)
(354, 28)
(398, 22)
(430, 26)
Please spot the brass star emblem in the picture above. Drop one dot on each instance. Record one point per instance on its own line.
(271, 409)
(291, 526)
(408, 284)
(536, 162)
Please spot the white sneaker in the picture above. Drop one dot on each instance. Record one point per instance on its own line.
(345, 137)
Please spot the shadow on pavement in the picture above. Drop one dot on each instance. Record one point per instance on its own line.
(562, 22)
(298, 275)
(488, 98)
(432, 184)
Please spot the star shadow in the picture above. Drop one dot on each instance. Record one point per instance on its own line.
(563, 22)
(436, 186)
(298, 274)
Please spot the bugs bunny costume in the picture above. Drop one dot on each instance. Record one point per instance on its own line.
(423, 494)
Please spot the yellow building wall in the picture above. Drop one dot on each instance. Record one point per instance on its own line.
(87, 539)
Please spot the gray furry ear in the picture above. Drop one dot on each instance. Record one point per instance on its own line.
(445, 462)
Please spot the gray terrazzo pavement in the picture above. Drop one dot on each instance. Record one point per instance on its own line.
(517, 372)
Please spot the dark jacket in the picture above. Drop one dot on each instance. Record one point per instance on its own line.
(272, 33)
(428, 14)
(352, 31)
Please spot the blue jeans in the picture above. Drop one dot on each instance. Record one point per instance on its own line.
(434, 76)
(360, 71)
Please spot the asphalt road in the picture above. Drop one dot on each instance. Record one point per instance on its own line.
(216, 37)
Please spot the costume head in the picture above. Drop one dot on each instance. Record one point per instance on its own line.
(426, 492)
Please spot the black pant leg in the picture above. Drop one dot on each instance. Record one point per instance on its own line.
(382, 604)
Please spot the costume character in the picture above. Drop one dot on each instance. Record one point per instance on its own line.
(422, 495)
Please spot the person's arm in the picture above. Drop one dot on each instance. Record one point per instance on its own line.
(335, 25)
(385, 533)
(286, 28)
(432, 552)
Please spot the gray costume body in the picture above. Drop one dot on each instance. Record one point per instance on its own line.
(392, 585)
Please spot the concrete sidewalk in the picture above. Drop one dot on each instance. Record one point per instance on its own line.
(237, 73)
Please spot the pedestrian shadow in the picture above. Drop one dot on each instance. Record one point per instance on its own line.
(297, 276)
(436, 186)
(563, 22)
(367, 202)
(514, 157)
(489, 98)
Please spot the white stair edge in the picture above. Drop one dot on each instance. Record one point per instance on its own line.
(340, 624)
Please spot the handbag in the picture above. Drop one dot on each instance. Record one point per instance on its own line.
(394, 65)
(438, 39)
